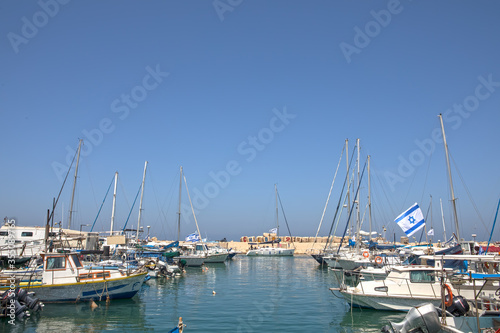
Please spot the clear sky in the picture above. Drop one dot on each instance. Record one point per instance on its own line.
(244, 95)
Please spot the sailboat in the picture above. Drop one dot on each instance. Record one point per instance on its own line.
(199, 253)
(263, 249)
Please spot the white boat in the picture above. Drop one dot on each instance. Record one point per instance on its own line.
(271, 251)
(191, 260)
(403, 288)
(65, 279)
(408, 286)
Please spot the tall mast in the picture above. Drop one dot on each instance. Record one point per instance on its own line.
(142, 195)
(74, 184)
(348, 183)
(369, 201)
(179, 220)
(192, 209)
(442, 217)
(114, 205)
(277, 221)
(356, 199)
(451, 181)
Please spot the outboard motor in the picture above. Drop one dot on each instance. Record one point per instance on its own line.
(10, 306)
(420, 319)
(459, 307)
(33, 304)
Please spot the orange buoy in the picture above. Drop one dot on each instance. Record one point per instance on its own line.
(366, 254)
(449, 302)
(378, 260)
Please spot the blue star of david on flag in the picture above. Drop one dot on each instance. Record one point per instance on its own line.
(411, 221)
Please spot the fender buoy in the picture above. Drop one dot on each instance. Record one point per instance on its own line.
(378, 260)
(366, 254)
(449, 302)
(151, 265)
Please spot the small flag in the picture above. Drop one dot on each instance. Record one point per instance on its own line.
(411, 220)
(430, 232)
(273, 230)
(194, 237)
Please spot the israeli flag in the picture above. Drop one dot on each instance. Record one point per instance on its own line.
(273, 230)
(194, 237)
(411, 221)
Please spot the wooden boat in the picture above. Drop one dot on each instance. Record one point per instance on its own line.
(65, 279)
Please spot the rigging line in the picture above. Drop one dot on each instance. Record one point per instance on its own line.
(192, 208)
(87, 167)
(424, 229)
(112, 179)
(492, 228)
(133, 204)
(329, 194)
(352, 209)
(363, 218)
(150, 174)
(340, 197)
(343, 203)
(409, 189)
(122, 188)
(64, 182)
(284, 217)
(468, 192)
(377, 176)
(426, 176)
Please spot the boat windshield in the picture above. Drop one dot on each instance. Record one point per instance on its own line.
(422, 276)
(76, 260)
(56, 262)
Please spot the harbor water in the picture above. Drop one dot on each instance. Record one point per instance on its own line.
(246, 294)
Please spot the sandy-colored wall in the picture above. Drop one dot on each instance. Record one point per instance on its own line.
(300, 247)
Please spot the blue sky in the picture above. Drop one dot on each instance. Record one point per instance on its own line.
(245, 95)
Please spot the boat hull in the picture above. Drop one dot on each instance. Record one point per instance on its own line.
(216, 258)
(271, 252)
(126, 287)
(191, 261)
(392, 303)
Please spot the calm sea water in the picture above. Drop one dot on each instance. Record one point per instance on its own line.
(253, 294)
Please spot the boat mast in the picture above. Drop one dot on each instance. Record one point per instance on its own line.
(450, 179)
(442, 217)
(369, 201)
(356, 200)
(348, 183)
(179, 212)
(140, 202)
(114, 205)
(74, 184)
(277, 221)
(192, 209)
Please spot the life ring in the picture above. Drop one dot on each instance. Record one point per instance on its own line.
(378, 260)
(449, 302)
(366, 254)
(151, 265)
